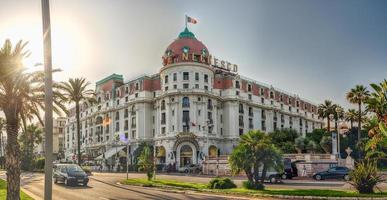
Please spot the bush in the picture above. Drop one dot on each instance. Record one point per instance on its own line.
(39, 163)
(365, 177)
(251, 186)
(221, 183)
(87, 170)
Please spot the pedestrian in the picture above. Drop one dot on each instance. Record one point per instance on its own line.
(304, 170)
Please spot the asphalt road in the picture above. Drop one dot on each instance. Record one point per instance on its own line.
(96, 190)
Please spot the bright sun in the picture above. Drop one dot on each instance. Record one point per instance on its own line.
(70, 48)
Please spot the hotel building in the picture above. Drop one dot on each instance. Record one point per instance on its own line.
(196, 106)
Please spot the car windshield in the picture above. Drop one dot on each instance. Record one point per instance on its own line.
(74, 168)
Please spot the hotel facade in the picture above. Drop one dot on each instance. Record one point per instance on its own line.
(196, 106)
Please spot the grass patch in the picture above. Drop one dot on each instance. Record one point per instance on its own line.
(3, 192)
(162, 183)
(246, 192)
(305, 192)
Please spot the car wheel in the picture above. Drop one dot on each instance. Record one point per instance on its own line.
(55, 180)
(318, 177)
(272, 179)
(346, 177)
(284, 176)
(85, 184)
(186, 171)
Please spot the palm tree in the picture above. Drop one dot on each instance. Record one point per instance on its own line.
(324, 110)
(377, 102)
(338, 114)
(351, 115)
(255, 153)
(20, 92)
(2, 123)
(31, 136)
(75, 91)
(358, 95)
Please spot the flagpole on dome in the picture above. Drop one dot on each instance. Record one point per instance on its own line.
(185, 21)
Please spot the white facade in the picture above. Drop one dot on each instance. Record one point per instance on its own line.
(189, 110)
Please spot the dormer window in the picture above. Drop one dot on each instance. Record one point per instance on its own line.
(168, 52)
(185, 49)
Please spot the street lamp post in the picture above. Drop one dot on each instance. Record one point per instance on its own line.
(47, 98)
(334, 137)
(127, 160)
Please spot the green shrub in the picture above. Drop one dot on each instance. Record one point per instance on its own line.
(87, 170)
(39, 163)
(221, 183)
(365, 177)
(251, 186)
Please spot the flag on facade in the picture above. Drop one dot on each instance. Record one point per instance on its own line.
(191, 20)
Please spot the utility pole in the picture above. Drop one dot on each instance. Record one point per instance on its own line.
(47, 99)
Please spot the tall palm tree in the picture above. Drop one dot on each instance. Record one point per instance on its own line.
(377, 102)
(20, 92)
(75, 91)
(324, 110)
(338, 114)
(351, 115)
(2, 123)
(358, 95)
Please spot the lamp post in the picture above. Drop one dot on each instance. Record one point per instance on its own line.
(334, 136)
(338, 111)
(48, 124)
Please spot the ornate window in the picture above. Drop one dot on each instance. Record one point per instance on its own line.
(185, 102)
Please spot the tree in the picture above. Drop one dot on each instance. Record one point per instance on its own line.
(324, 110)
(75, 91)
(2, 123)
(351, 116)
(284, 139)
(254, 154)
(31, 136)
(326, 143)
(145, 161)
(20, 92)
(358, 95)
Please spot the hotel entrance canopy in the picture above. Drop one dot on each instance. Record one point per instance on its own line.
(109, 153)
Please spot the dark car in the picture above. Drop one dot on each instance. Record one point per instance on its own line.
(333, 173)
(70, 174)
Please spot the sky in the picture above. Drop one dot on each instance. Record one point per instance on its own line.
(317, 49)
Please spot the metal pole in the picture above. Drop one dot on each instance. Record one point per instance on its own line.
(47, 99)
(154, 162)
(127, 161)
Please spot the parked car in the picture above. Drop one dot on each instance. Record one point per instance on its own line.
(272, 175)
(190, 168)
(333, 173)
(70, 174)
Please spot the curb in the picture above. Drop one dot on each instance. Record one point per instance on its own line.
(32, 195)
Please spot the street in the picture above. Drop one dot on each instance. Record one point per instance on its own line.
(103, 186)
(96, 190)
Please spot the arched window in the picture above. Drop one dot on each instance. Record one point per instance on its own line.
(185, 102)
(163, 105)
